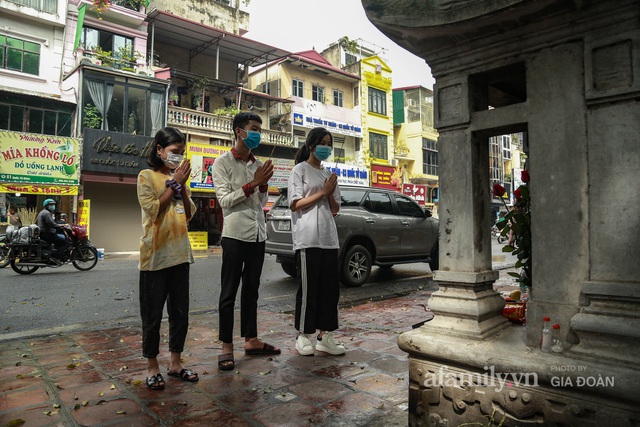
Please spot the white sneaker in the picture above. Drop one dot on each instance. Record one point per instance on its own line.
(329, 345)
(303, 345)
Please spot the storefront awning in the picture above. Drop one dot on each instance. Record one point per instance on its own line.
(198, 38)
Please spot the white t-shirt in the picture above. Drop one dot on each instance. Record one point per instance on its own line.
(313, 227)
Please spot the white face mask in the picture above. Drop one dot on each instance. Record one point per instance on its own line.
(173, 160)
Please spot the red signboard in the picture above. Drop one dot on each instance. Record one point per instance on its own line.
(416, 191)
(382, 177)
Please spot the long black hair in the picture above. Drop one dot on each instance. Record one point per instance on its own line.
(164, 137)
(315, 136)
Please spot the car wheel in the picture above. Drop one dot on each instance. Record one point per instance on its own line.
(289, 268)
(356, 266)
(434, 264)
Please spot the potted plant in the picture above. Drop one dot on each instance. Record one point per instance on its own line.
(92, 117)
(173, 98)
(199, 86)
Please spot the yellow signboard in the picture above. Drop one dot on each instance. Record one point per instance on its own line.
(84, 213)
(199, 240)
(202, 157)
(30, 158)
(53, 190)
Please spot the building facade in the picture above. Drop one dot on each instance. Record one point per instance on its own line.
(416, 147)
(36, 112)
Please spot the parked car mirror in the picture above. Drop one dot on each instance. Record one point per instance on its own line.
(427, 213)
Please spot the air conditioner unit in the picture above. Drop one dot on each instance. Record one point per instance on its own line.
(411, 102)
(393, 162)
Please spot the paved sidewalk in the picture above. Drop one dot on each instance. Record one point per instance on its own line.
(96, 377)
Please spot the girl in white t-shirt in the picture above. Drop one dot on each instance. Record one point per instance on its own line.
(314, 198)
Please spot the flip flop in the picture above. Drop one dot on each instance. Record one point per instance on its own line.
(154, 382)
(227, 357)
(185, 374)
(267, 349)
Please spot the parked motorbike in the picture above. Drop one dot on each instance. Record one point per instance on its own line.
(27, 252)
(4, 251)
(497, 234)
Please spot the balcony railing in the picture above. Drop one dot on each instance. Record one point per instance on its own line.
(185, 118)
(47, 6)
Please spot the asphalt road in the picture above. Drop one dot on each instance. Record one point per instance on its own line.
(52, 300)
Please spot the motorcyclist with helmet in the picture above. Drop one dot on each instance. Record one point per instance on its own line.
(49, 230)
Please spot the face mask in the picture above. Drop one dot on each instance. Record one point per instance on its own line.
(51, 208)
(173, 160)
(322, 152)
(252, 140)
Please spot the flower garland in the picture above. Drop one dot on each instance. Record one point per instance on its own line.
(518, 221)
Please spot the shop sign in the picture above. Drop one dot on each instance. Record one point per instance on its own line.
(199, 240)
(202, 157)
(336, 120)
(84, 214)
(52, 190)
(115, 152)
(417, 192)
(349, 174)
(281, 172)
(30, 158)
(381, 177)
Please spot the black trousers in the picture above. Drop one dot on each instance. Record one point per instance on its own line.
(240, 261)
(170, 285)
(319, 291)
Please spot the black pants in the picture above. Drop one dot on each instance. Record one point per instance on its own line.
(240, 261)
(319, 291)
(170, 285)
(60, 240)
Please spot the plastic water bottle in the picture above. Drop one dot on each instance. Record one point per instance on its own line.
(557, 342)
(546, 342)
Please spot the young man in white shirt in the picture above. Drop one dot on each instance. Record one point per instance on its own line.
(240, 181)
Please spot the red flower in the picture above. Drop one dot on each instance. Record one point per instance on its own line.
(517, 194)
(498, 190)
(524, 176)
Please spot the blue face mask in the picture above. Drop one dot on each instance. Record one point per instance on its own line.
(252, 140)
(322, 152)
(51, 208)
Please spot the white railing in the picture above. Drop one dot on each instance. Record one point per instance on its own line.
(186, 118)
(47, 6)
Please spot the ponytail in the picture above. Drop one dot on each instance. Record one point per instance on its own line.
(303, 154)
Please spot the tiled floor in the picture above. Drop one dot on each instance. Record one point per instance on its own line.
(96, 377)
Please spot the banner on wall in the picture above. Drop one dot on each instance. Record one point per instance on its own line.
(349, 174)
(417, 192)
(30, 158)
(281, 172)
(84, 214)
(381, 177)
(52, 190)
(202, 157)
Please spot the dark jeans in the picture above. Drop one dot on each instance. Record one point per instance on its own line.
(319, 291)
(60, 240)
(170, 285)
(240, 261)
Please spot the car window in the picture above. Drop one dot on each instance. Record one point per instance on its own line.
(379, 203)
(351, 197)
(281, 202)
(408, 207)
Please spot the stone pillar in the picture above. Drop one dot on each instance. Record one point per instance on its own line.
(567, 73)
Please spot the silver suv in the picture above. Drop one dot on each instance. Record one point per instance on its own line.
(375, 227)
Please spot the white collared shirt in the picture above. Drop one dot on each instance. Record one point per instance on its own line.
(243, 216)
